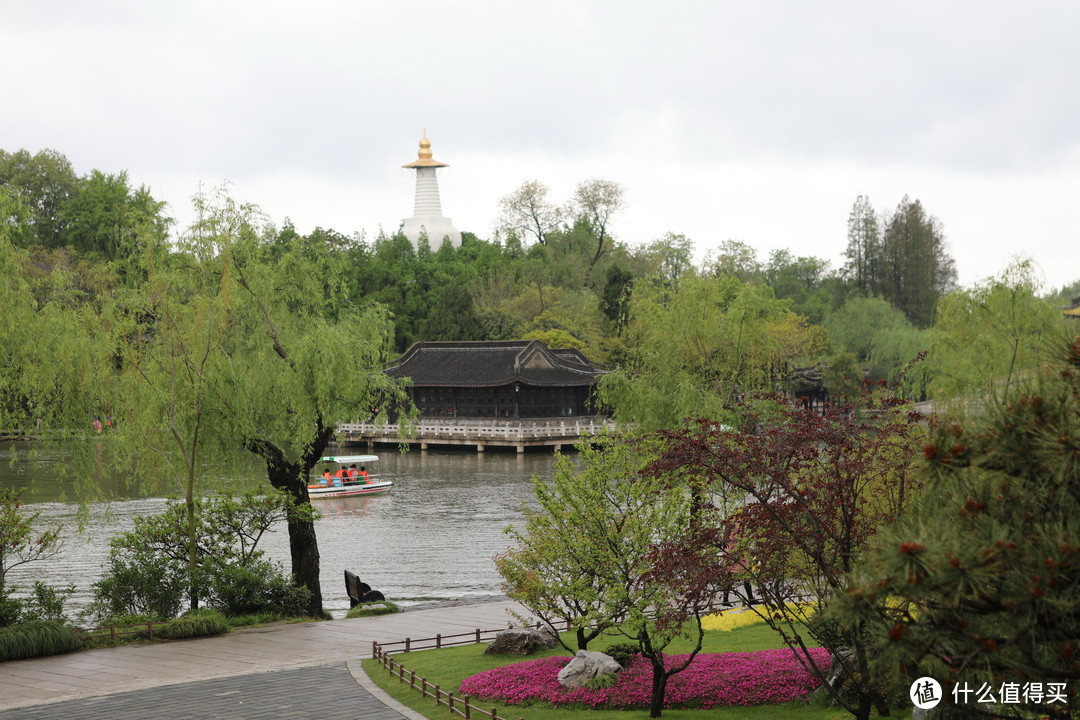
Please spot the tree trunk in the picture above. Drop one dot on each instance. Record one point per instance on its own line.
(303, 545)
(304, 550)
(659, 688)
(292, 477)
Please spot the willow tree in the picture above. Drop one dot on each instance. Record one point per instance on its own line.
(300, 361)
(162, 418)
(53, 356)
(693, 350)
(988, 338)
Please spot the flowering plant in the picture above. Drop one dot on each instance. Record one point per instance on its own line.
(763, 677)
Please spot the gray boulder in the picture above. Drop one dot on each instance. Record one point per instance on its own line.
(520, 641)
(586, 665)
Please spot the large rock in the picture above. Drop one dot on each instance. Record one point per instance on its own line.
(520, 641)
(586, 665)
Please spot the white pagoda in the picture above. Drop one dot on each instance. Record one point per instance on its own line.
(427, 212)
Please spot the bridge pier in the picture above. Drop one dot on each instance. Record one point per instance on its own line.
(479, 448)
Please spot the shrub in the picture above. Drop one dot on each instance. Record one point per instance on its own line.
(148, 568)
(257, 588)
(10, 609)
(44, 603)
(381, 607)
(622, 653)
(196, 623)
(137, 586)
(36, 639)
(47, 603)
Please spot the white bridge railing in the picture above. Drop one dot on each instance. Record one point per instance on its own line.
(483, 429)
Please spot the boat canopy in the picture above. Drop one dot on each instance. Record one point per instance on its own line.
(348, 459)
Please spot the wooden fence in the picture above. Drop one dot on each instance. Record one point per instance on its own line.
(460, 705)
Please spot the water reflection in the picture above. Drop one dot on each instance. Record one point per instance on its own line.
(432, 538)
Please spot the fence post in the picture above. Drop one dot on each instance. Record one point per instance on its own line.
(478, 635)
(468, 709)
(438, 640)
(412, 679)
(437, 693)
(407, 641)
(374, 649)
(150, 630)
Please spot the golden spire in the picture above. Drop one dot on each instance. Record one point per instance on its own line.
(424, 155)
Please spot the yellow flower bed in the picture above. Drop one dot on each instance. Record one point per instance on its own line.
(740, 617)
(730, 619)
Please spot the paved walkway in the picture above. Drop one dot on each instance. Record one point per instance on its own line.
(308, 670)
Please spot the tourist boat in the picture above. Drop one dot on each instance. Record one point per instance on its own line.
(373, 486)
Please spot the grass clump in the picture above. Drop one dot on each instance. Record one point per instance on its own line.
(196, 623)
(380, 607)
(37, 638)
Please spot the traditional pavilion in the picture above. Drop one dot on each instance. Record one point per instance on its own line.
(427, 211)
(505, 379)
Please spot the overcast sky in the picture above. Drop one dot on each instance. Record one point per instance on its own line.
(753, 121)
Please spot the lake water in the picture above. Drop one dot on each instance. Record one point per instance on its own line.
(431, 539)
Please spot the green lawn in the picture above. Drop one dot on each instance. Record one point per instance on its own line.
(448, 667)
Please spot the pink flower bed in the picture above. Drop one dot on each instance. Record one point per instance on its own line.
(764, 677)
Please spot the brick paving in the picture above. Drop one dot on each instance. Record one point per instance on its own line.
(327, 692)
(294, 672)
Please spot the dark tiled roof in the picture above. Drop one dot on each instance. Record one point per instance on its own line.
(490, 364)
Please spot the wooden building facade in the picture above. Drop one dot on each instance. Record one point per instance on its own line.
(514, 379)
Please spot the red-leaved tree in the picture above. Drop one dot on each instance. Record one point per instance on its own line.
(802, 494)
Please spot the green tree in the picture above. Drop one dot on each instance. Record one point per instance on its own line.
(616, 295)
(985, 569)
(295, 371)
(595, 554)
(915, 266)
(595, 202)
(54, 355)
(844, 376)
(527, 212)
(1065, 295)
(863, 252)
(107, 218)
(44, 182)
(20, 542)
(236, 349)
(666, 259)
(987, 338)
(734, 258)
(173, 352)
(694, 349)
(880, 336)
(453, 317)
(800, 280)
